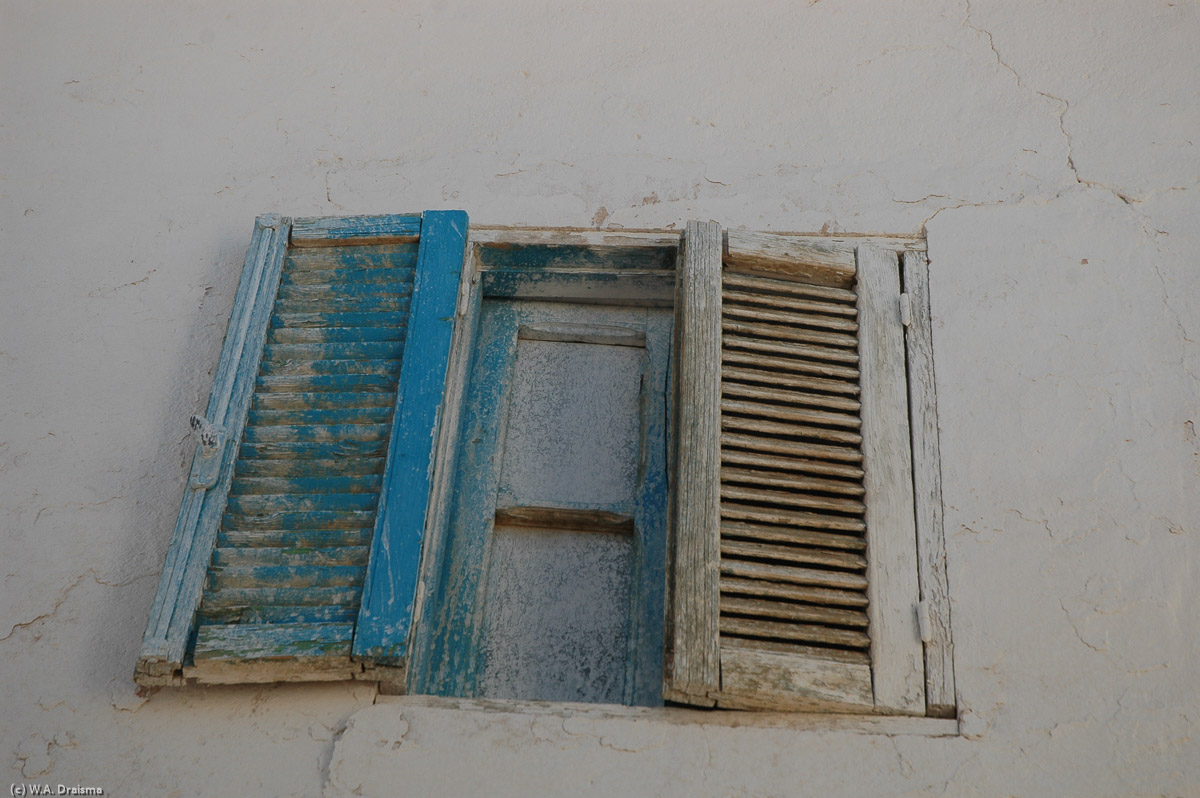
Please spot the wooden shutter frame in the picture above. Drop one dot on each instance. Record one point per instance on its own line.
(169, 631)
(898, 670)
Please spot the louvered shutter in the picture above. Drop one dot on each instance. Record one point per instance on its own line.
(793, 581)
(324, 407)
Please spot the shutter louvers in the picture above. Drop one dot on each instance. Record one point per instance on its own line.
(286, 575)
(264, 577)
(806, 619)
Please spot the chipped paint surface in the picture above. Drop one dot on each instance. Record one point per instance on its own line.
(1048, 149)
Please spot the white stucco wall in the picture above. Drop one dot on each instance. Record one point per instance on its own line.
(1049, 148)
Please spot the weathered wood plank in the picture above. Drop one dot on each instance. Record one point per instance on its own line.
(255, 641)
(824, 596)
(796, 305)
(808, 260)
(818, 451)
(341, 275)
(321, 400)
(647, 288)
(283, 576)
(839, 580)
(746, 312)
(319, 335)
(789, 412)
(788, 534)
(760, 284)
(788, 681)
(327, 305)
(576, 256)
(693, 660)
(226, 557)
(391, 585)
(739, 371)
(262, 596)
(337, 383)
(789, 629)
(332, 466)
(575, 237)
(790, 332)
(790, 498)
(560, 518)
(757, 344)
(342, 350)
(569, 332)
(791, 396)
(353, 256)
(390, 319)
(306, 485)
(807, 555)
(315, 433)
(931, 549)
(896, 653)
(258, 504)
(794, 365)
(325, 231)
(318, 293)
(294, 538)
(358, 416)
(315, 519)
(759, 459)
(278, 614)
(790, 428)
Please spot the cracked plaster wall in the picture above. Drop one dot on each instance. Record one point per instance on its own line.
(1049, 148)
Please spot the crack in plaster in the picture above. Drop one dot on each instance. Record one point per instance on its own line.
(65, 593)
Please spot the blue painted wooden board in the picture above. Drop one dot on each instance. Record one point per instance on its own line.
(391, 581)
(320, 230)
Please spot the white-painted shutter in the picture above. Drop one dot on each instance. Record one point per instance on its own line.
(794, 569)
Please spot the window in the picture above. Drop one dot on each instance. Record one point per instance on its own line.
(650, 465)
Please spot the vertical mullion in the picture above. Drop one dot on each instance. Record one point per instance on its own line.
(927, 483)
(896, 652)
(693, 669)
(390, 586)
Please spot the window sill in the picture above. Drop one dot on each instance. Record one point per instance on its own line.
(680, 716)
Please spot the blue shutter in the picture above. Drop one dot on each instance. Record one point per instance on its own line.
(265, 575)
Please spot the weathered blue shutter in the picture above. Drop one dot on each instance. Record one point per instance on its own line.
(264, 577)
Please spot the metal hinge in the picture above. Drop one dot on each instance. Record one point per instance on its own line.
(206, 466)
(924, 621)
(905, 310)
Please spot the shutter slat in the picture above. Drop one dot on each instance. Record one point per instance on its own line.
(339, 383)
(314, 294)
(824, 596)
(315, 519)
(788, 630)
(792, 499)
(852, 439)
(322, 400)
(792, 482)
(346, 414)
(797, 365)
(787, 287)
(759, 459)
(269, 641)
(835, 323)
(309, 451)
(789, 413)
(341, 275)
(279, 614)
(309, 317)
(246, 555)
(294, 538)
(807, 555)
(738, 372)
(819, 451)
(262, 597)
(787, 398)
(382, 256)
(796, 575)
(773, 300)
(293, 468)
(316, 433)
(757, 344)
(280, 368)
(340, 350)
(293, 485)
(792, 534)
(782, 332)
(249, 504)
(772, 515)
(787, 611)
(317, 335)
(284, 576)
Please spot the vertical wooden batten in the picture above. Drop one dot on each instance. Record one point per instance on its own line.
(927, 484)
(896, 653)
(172, 615)
(390, 588)
(693, 659)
